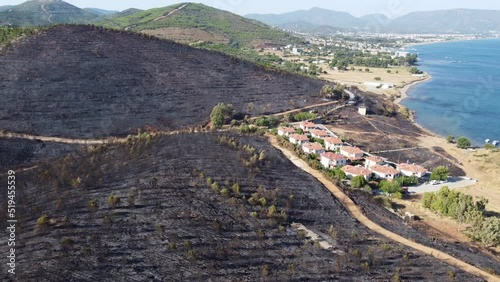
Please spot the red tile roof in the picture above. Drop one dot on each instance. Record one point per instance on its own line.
(319, 133)
(308, 124)
(352, 150)
(356, 170)
(287, 129)
(299, 137)
(385, 169)
(333, 140)
(313, 146)
(333, 157)
(412, 168)
(375, 159)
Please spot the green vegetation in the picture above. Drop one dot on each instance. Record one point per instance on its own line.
(393, 188)
(333, 92)
(304, 116)
(267, 121)
(440, 173)
(462, 208)
(404, 111)
(237, 30)
(489, 146)
(358, 181)
(377, 78)
(10, 34)
(221, 114)
(463, 143)
(450, 139)
(415, 70)
(345, 57)
(43, 220)
(407, 180)
(113, 200)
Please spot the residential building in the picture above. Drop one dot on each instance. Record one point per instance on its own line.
(412, 169)
(316, 133)
(330, 160)
(353, 153)
(298, 139)
(385, 171)
(374, 160)
(353, 171)
(332, 143)
(286, 131)
(307, 126)
(313, 148)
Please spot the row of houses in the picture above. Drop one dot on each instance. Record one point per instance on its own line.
(335, 153)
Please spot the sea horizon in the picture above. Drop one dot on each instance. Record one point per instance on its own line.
(462, 97)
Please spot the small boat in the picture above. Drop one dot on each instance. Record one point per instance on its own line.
(487, 141)
(495, 142)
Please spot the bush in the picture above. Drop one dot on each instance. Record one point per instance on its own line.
(43, 220)
(113, 200)
(450, 139)
(378, 78)
(221, 114)
(267, 121)
(304, 116)
(358, 181)
(391, 188)
(440, 173)
(489, 146)
(463, 143)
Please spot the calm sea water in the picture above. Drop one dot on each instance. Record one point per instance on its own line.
(463, 96)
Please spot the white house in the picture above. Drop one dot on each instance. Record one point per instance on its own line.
(353, 171)
(313, 148)
(352, 153)
(384, 171)
(307, 126)
(333, 144)
(412, 169)
(286, 131)
(330, 159)
(298, 139)
(362, 110)
(319, 133)
(374, 160)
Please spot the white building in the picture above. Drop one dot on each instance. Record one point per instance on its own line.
(333, 144)
(353, 171)
(313, 148)
(329, 160)
(286, 131)
(412, 169)
(307, 126)
(319, 133)
(384, 171)
(352, 153)
(374, 160)
(298, 139)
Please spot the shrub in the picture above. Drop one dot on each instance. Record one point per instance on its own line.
(463, 143)
(304, 116)
(378, 78)
(221, 114)
(93, 204)
(43, 220)
(358, 181)
(440, 173)
(113, 200)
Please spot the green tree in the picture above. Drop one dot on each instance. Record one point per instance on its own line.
(463, 143)
(358, 181)
(440, 173)
(390, 187)
(113, 200)
(450, 139)
(221, 114)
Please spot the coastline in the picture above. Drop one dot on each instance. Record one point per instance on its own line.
(404, 90)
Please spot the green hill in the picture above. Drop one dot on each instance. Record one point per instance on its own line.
(44, 12)
(189, 22)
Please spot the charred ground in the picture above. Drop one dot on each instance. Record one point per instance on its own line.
(172, 223)
(85, 81)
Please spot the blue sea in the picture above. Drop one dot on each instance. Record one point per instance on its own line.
(463, 96)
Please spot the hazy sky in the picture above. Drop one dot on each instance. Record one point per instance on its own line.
(391, 8)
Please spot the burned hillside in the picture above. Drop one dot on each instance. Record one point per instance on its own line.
(85, 81)
(195, 207)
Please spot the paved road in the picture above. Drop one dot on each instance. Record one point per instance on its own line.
(452, 183)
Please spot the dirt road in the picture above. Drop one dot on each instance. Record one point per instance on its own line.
(356, 213)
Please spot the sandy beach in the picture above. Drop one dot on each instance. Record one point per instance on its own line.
(404, 90)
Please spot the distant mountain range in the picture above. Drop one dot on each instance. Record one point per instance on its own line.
(445, 21)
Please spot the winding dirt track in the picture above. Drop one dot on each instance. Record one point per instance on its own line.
(358, 214)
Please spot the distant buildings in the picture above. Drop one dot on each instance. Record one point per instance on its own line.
(286, 131)
(412, 169)
(319, 133)
(384, 171)
(333, 144)
(374, 160)
(307, 126)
